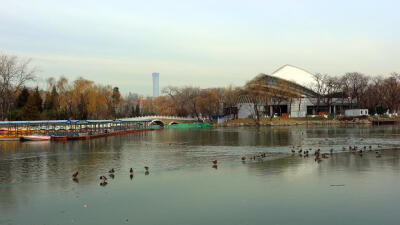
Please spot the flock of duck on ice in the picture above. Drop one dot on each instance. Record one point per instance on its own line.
(318, 156)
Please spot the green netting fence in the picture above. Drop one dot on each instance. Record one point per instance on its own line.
(188, 125)
(153, 127)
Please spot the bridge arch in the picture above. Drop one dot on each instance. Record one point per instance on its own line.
(157, 122)
(173, 123)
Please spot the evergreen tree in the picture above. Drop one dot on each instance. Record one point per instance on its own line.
(51, 104)
(133, 112)
(30, 111)
(137, 111)
(116, 100)
(47, 102)
(37, 99)
(22, 97)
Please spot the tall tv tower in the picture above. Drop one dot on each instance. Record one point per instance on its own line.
(156, 88)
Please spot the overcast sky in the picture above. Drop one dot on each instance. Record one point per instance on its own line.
(202, 43)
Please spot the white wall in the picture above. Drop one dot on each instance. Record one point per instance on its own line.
(296, 111)
(246, 110)
(356, 112)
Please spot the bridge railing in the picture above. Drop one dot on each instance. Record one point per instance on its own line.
(160, 118)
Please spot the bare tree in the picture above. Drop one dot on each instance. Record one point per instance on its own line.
(257, 95)
(355, 85)
(183, 100)
(14, 74)
(392, 92)
(319, 88)
(331, 87)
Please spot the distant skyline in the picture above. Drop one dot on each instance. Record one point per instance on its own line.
(202, 43)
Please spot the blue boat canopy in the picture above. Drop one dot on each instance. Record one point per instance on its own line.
(81, 122)
(34, 122)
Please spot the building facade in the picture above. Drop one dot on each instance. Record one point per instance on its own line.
(289, 96)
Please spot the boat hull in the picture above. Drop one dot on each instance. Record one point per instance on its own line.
(9, 139)
(60, 138)
(35, 138)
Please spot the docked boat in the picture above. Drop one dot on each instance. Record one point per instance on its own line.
(59, 138)
(35, 138)
(9, 138)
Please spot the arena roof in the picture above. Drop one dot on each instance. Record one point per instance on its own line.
(285, 82)
(294, 74)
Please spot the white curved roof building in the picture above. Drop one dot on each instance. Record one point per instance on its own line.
(289, 80)
(289, 92)
(294, 74)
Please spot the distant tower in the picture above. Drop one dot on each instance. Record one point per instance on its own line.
(156, 87)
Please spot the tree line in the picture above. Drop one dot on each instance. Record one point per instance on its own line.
(84, 99)
(61, 99)
(193, 101)
(79, 99)
(378, 94)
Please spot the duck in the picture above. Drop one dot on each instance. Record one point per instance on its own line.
(75, 175)
(146, 168)
(103, 178)
(216, 161)
(301, 150)
(293, 151)
(112, 171)
(131, 171)
(344, 149)
(243, 158)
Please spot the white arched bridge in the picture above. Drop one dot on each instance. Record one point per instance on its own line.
(163, 120)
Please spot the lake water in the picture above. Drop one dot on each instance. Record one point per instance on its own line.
(182, 187)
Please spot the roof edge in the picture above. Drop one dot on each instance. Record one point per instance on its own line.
(280, 68)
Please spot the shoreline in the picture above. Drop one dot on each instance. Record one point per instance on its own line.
(291, 123)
